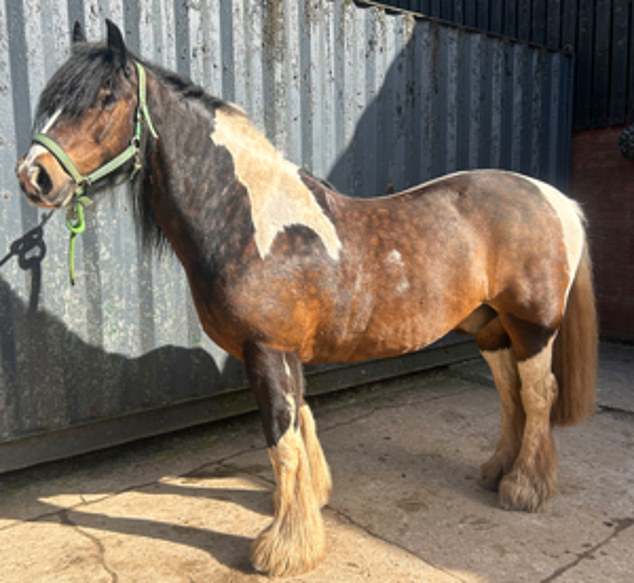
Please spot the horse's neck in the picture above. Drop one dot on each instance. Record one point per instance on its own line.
(215, 166)
(187, 176)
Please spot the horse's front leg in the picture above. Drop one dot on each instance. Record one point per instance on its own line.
(295, 541)
(319, 470)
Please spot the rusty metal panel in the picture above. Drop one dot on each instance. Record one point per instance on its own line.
(371, 101)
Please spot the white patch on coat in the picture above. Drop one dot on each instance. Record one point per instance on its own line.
(535, 369)
(502, 365)
(395, 260)
(572, 220)
(36, 150)
(278, 196)
(286, 367)
(395, 257)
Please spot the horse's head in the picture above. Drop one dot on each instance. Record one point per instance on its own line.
(88, 110)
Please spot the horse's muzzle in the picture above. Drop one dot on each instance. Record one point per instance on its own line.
(34, 180)
(37, 184)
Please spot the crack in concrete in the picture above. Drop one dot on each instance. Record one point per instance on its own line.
(611, 409)
(345, 517)
(386, 406)
(101, 551)
(621, 525)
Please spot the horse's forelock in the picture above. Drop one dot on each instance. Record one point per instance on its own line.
(74, 87)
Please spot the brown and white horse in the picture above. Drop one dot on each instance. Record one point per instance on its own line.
(284, 270)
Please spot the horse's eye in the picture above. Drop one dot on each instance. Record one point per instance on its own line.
(108, 99)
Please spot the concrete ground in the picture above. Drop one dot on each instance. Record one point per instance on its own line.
(406, 506)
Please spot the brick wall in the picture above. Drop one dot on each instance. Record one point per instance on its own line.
(603, 181)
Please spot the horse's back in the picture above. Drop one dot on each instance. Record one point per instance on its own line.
(512, 218)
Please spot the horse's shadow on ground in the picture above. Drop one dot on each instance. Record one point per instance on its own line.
(230, 550)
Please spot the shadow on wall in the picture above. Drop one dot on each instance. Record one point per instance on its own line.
(83, 382)
(450, 100)
(385, 153)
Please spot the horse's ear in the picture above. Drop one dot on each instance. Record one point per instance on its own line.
(78, 33)
(116, 43)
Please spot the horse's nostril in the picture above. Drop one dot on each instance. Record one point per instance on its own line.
(43, 180)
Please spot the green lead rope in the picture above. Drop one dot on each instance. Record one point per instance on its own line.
(76, 224)
(75, 219)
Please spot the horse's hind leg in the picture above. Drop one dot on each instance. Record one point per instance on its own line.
(495, 348)
(534, 475)
(295, 541)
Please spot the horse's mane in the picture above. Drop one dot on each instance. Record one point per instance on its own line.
(152, 236)
(75, 85)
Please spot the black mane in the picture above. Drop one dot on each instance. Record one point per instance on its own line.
(75, 85)
(150, 232)
(185, 87)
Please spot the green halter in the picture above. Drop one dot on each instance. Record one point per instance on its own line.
(75, 218)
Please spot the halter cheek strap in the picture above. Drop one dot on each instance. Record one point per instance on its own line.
(75, 221)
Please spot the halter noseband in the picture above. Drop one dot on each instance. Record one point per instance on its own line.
(75, 219)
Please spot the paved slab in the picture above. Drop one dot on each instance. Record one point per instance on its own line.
(406, 505)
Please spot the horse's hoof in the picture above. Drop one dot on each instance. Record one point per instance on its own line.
(491, 472)
(522, 491)
(279, 555)
(294, 542)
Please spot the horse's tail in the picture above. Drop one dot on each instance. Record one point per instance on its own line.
(576, 350)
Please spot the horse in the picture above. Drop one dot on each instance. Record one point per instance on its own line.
(284, 270)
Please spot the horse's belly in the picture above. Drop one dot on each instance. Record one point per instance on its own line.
(401, 335)
(384, 335)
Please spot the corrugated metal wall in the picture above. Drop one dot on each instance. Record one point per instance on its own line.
(601, 32)
(368, 100)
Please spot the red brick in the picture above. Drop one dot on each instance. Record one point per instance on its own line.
(603, 182)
